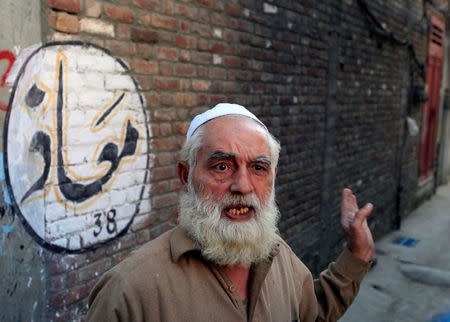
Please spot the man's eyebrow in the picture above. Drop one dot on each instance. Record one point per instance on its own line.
(221, 155)
(230, 156)
(263, 159)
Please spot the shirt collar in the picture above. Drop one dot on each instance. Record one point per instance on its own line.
(180, 243)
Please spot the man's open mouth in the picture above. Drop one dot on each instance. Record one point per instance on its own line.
(238, 211)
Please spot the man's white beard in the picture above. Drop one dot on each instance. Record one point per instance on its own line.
(223, 241)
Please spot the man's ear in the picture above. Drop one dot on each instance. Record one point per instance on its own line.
(183, 173)
(276, 170)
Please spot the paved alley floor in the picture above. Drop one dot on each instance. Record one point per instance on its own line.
(410, 283)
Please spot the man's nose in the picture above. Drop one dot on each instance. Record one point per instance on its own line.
(242, 183)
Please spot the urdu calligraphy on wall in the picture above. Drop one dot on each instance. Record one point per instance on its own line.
(76, 146)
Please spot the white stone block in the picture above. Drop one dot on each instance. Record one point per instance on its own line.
(54, 211)
(118, 82)
(268, 8)
(96, 62)
(96, 26)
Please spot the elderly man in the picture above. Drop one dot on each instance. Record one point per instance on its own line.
(225, 260)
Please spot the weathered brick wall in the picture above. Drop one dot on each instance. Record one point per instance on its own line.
(328, 86)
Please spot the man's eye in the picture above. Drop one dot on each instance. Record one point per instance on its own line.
(221, 166)
(257, 167)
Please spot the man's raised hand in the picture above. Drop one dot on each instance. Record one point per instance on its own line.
(354, 223)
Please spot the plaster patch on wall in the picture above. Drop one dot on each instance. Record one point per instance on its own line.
(70, 157)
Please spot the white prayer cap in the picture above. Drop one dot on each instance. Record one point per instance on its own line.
(217, 111)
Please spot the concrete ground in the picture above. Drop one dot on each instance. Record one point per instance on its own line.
(410, 283)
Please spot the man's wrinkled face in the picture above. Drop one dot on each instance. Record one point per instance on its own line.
(229, 206)
(234, 161)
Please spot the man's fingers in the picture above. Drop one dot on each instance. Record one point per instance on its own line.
(362, 214)
(348, 202)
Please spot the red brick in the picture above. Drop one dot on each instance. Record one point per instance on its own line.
(66, 263)
(185, 84)
(202, 58)
(233, 23)
(166, 68)
(219, 6)
(93, 9)
(202, 71)
(166, 37)
(144, 18)
(166, 99)
(165, 84)
(165, 129)
(201, 29)
(57, 282)
(144, 50)
(218, 19)
(58, 315)
(230, 87)
(245, 26)
(52, 16)
(185, 26)
(124, 15)
(144, 82)
(185, 41)
(143, 236)
(201, 85)
(233, 9)
(217, 73)
(202, 45)
(163, 173)
(218, 47)
(159, 21)
(166, 53)
(217, 99)
(166, 144)
(117, 258)
(94, 270)
(146, 4)
(245, 51)
(125, 242)
(164, 115)
(67, 23)
(180, 127)
(168, 8)
(185, 56)
(186, 100)
(185, 70)
(69, 296)
(123, 32)
(217, 87)
(165, 200)
(175, 184)
(166, 158)
(206, 3)
(145, 67)
(67, 5)
(142, 35)
(231, 61)
(229, 36)
(122, 48)
(188, 12)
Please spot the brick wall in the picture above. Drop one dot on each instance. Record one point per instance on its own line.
(332, 89)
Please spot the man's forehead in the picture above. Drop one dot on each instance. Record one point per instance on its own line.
(235, 134)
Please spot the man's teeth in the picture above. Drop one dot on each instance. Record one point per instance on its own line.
(238, 212)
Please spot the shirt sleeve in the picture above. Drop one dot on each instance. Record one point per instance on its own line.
(112, 299)
(337, 286)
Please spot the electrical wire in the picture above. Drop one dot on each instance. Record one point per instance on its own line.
(381, 31)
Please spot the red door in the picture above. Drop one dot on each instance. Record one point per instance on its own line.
(430, 113)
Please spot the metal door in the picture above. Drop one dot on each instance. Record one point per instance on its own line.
(430, 113)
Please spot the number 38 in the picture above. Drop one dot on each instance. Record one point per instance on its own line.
(111, 225)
